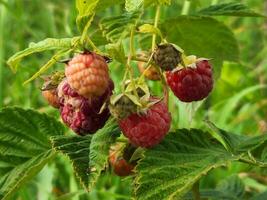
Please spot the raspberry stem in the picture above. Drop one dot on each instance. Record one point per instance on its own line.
(186, 7)
(136, 58)
(92, 45)
(129, 69)
(147, 67)
(195, 190)
(155, 25)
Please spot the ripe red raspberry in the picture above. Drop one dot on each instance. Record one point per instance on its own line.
(51, 97)
(149, 129)
(82, 114)
(87, 74)
(191, 84)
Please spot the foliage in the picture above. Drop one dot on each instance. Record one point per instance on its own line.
(229, 33)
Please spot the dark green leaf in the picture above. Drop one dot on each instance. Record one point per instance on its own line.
(260, 196)
(232, 187)
(230, 9)
(24, 146)
(77, 149)
(88, 154)
(169, 170)
(99, 150)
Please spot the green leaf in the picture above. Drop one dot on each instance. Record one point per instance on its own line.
(148, 28)
(228, 106)
(104, 4)
(116, 51)
(203, 37)
(88, 154)
(156, 2)
(99, 150)
(24, 146)
(229, 9)
(77, 150)
(49, 64)
(86, 12)
(45, 45)
(132, 5)
(169, 170)
(232, 187)
(118, 27)
(260, 196)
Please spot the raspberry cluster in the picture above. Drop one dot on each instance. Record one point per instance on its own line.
(85, 99)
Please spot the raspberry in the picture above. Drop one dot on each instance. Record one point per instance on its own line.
(167, 56)
(51, 97)
(151, 73)
(149, 129)
(191, 84)
(87, 74)
(120, 165)
(82, 114)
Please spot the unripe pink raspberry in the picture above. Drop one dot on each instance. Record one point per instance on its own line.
(88, 74)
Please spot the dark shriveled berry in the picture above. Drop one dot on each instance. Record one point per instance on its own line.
(122, 108)
(167, 56)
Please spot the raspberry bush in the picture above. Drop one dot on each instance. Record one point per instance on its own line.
(119, 86)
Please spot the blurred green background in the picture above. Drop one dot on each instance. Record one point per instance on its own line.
(237, 104)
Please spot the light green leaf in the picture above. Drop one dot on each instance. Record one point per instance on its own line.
(24, 146)
(169, 170)
(156, 2)
(118, 28)
(132, 5)
(49, 64)
(230, 9)
(148, 28)
(99, 150)
(88, 154)
(116, 51)
(45, 45)
(77, 150)
(203, 37)
(86, 12)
